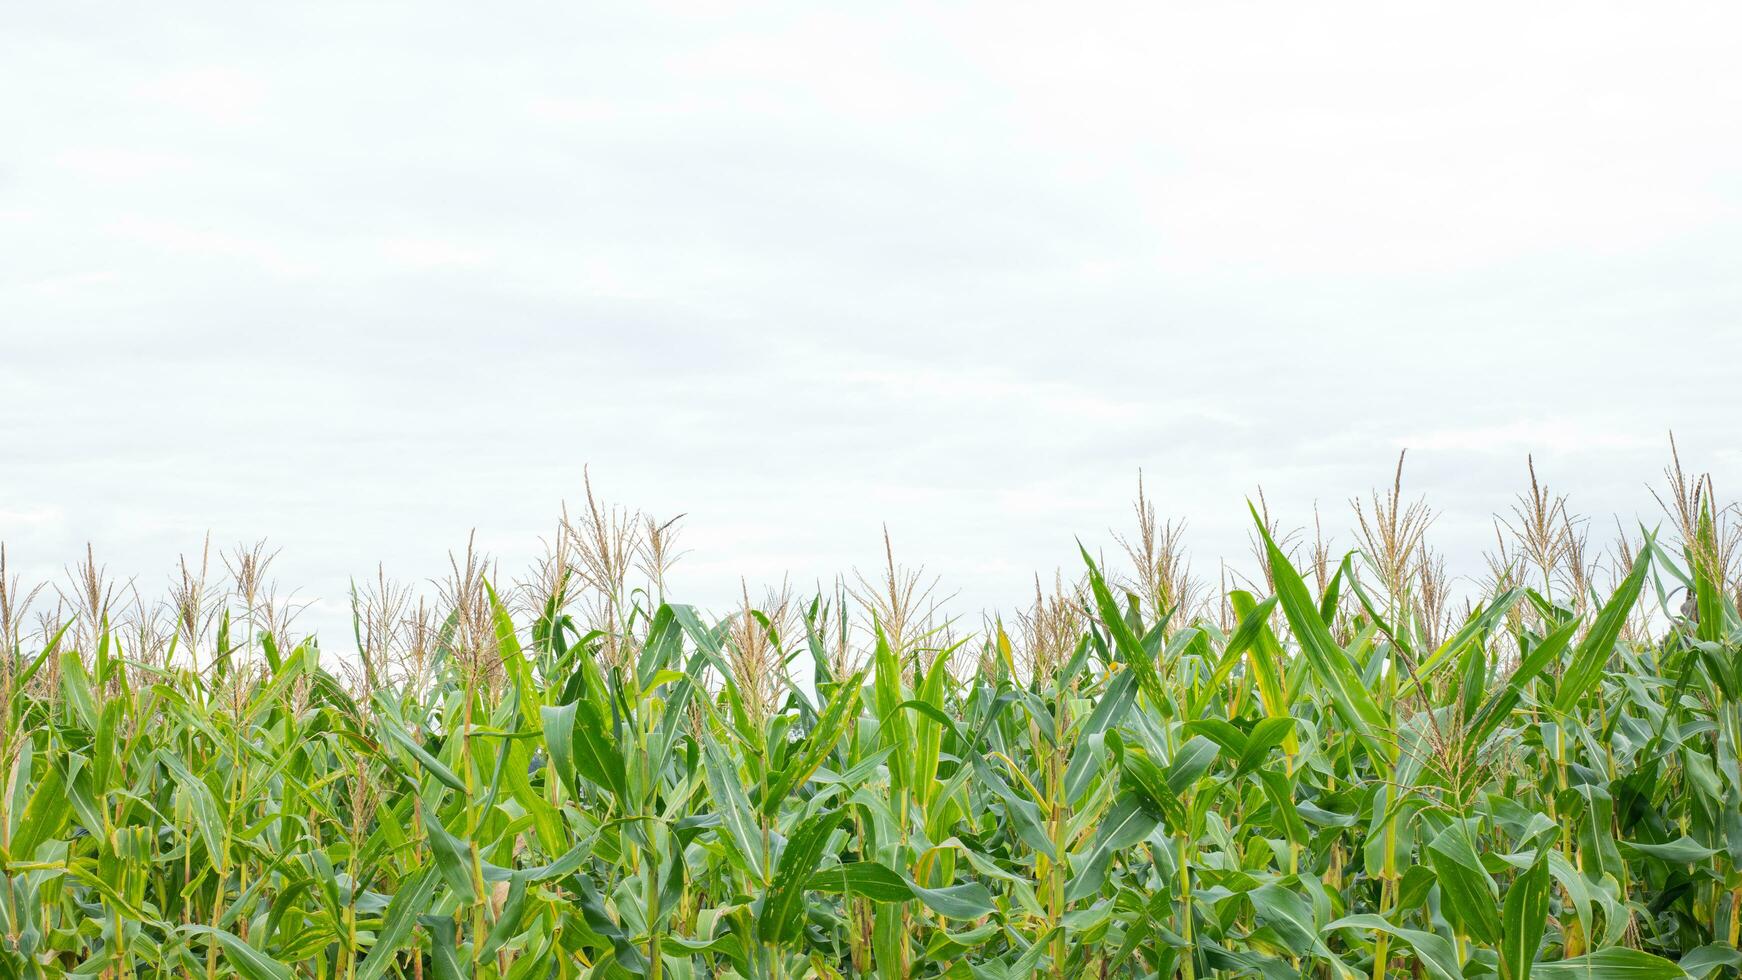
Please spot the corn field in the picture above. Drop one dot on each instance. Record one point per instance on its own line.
(1335, 771)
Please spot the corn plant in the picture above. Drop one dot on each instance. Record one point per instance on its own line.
(1319, 784)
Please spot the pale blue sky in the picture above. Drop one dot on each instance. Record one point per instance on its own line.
(360, 277)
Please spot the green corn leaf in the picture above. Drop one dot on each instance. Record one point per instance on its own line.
(1142, 776)
(782, 916)
(42, 818)
(1598, 645)
(1130, 648)
(453, 859)
(866, 879)
(444, 953)
(433, 766)
(1354, 705)
(1682, 850)
(841, 711)
(1465, 887)
(880, 883)
(208, 818)
(1290, 915)
(1523, 919)
(963, 902)
(894, 731)
(508, 920)
(408, 903)
(736, 815)
(1614, 963)
(247, 961)
(581, 747)
(1436, 956)
(1498, 708)
(1253, 622)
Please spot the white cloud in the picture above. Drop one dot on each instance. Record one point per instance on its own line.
(432, 252)
(1561, 435)
(220, 94)
(362, 277)
(215, 241)
(122, 164)
(32, 517)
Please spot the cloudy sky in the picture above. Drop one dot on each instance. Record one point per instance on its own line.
(361, 277)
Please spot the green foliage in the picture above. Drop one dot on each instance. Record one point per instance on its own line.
(1325, 789)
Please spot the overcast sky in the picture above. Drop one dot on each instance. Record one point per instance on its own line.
(361, 277)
